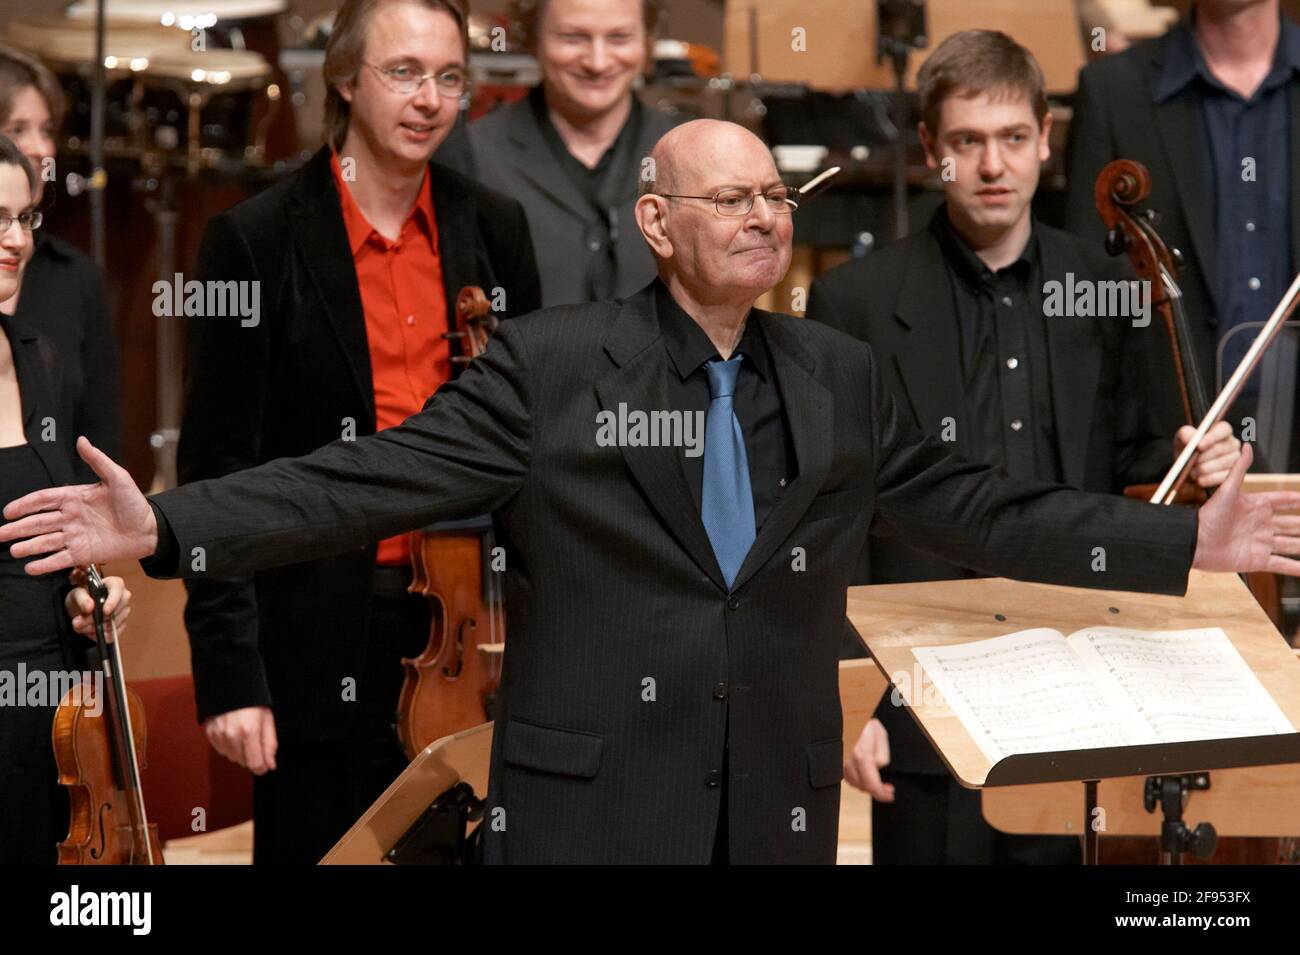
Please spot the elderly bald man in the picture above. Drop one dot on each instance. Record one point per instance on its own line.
(675, 610)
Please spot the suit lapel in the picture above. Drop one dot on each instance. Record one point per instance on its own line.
(639, 383)
(1074, 373)
(532, 160)
(320, 234)
(928, 361)
(809, 409)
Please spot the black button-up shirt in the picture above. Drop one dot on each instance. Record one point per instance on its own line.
(1000, 325)
(1246, 148)
(757, 401)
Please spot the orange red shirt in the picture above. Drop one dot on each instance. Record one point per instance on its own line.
(406, 316)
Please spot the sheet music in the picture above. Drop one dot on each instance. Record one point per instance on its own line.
(1028, 692)
(1187, 684)
(1038, 691)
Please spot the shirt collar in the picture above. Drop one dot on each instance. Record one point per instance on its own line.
(1184, 61)
(359, 228)
(628, 134)
(969, 266)
(689, 347)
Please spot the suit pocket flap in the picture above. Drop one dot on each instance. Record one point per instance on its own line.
(825, 763)
(551, 750)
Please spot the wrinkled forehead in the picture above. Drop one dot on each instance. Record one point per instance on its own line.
(722, 160)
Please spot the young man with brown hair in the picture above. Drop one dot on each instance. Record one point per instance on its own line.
(359, 257)
(970, 329)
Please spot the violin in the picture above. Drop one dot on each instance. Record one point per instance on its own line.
(452, 685)
(99, 741)
(1119, 188)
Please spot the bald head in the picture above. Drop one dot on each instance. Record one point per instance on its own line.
(714, 257)
(686, 155)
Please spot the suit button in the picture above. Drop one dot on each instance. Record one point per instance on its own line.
(720, 691)
(714, 779)
(733, 602)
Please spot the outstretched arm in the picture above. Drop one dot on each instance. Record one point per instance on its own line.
(969, 514)
(466, 453)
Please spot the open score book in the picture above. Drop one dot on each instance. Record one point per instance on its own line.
(1039, 691)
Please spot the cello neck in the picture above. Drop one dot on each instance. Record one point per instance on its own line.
(1198, 395)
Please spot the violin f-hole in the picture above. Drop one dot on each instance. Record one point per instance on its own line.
(458, 660)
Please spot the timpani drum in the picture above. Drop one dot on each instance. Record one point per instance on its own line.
(68, 48)
(210, 104)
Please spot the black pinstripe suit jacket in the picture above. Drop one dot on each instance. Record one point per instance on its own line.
(630, 664)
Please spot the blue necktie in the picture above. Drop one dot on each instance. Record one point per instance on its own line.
(726, 500)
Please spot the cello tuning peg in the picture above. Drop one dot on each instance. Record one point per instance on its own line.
(1178, 257)
(1152, 217)
(1116, 242)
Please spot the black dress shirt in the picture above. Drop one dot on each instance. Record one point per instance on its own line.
(757, 402)
(1246, 148)
(1010, 422)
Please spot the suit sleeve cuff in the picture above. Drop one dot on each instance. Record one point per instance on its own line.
(165, 561)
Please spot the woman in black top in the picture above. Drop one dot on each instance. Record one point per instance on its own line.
(61, 293)
(37, 435)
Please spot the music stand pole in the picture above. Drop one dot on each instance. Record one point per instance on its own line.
(900, 28)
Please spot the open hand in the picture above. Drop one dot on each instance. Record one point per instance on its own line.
(84, 523)
(1243, 533)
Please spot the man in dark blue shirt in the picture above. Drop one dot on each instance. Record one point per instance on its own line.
(1211, 109)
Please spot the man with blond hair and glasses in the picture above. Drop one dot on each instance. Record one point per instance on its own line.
(356, 260)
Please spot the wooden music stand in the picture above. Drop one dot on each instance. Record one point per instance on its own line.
(441, 765)
(894, 618)
(1271, 482)
(861, 685)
